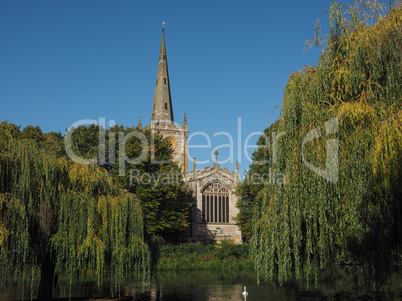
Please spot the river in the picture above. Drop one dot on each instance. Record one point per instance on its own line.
(218, 286)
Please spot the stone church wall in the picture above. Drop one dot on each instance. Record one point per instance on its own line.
(213, 231)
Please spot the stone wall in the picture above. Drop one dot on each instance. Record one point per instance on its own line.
(204, 231)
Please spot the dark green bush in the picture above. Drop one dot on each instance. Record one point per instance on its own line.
(204, 257)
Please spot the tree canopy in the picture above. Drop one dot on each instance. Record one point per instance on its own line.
(341, 154)
(131, 157)
(256, 178)
(57, 215)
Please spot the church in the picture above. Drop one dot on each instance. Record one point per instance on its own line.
(212, 188)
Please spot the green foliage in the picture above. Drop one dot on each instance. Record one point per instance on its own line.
(53, 142)
(256, 178)
(32, 132)
(55, 214)
(228, 249)
(85, 141)
(227, 256)
(158, 186)
(311, 223)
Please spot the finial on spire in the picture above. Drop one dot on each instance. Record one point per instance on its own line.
(139, 126)
(163, 26)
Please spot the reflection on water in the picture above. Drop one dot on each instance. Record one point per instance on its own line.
(214, 286)
(200, 286)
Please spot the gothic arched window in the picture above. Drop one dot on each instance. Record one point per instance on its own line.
(215, 204)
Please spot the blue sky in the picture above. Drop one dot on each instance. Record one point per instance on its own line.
(65, 61)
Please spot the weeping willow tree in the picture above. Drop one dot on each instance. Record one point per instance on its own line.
(57, 216)
(341, 152)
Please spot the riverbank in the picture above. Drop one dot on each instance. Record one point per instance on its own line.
(186, 257)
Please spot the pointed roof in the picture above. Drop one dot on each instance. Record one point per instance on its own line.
(184, 126)
(139, 126)
(162, 109)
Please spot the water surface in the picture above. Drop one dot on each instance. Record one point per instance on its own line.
(218, 285)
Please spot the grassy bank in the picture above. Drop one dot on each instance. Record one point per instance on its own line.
(209, 257)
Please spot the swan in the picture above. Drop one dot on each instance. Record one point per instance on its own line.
(245, 293)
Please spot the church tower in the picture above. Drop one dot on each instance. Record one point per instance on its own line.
(162, 109)
(162, 121)
(214, 201)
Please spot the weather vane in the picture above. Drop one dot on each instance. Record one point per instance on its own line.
(163, 26)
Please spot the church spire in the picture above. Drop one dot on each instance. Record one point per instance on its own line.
(162, 109)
